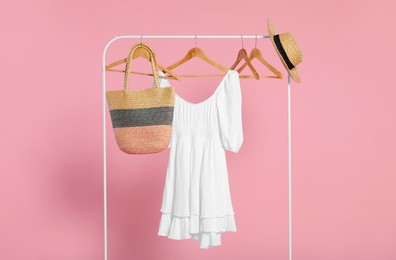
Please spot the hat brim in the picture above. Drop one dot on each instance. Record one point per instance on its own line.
(293, 72)
(271, 28)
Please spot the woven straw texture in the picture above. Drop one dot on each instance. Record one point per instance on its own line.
(293, 51)
(142, 119)
(145, 98)
(139, 140)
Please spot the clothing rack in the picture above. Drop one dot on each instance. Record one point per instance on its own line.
(190, 37)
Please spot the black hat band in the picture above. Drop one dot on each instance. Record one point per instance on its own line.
(282, 52)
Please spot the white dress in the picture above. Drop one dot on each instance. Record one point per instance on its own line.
(196, 198)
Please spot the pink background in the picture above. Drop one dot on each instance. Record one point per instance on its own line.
(343, 114)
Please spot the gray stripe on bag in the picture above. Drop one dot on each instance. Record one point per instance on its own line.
(141, 117)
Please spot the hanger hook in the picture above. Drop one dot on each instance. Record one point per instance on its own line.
(255, 43)
(141, 39)
(242, 40)
(195, 41)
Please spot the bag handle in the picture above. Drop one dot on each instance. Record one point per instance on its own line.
(154, 64)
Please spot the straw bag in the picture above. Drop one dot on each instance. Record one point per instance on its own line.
(142, 119)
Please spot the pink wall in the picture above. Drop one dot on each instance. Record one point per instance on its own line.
(344, 147)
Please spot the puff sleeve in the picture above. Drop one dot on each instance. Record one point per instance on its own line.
(229, 107)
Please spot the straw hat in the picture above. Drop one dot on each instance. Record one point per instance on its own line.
(287, 49)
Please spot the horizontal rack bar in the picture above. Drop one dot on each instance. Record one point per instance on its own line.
(192, 36)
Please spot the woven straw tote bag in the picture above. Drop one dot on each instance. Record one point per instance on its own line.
(142, 119)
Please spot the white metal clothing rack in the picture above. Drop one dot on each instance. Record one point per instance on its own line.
(190, 37)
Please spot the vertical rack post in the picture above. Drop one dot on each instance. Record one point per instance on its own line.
(289, 165)
(104, 147)
(104, 156)
(104, 153)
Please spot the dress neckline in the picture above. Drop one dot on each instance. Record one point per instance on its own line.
(210, 97)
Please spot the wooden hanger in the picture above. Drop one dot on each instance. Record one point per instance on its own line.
(256, 54)
(199, 53)
(141, 52)
(242, 54)
(215, 75)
